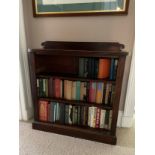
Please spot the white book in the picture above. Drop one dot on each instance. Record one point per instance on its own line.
(93, 119)
(89, 115)
(102, 118)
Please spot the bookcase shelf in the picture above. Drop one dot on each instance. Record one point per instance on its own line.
(73, 77)
(78, 103)
(60, 60)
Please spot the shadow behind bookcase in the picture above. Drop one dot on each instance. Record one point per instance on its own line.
(61, 59)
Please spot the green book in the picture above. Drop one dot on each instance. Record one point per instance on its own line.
(78, 84)
(46, 87)
(107, 114)
(81, 67)
(41, 88)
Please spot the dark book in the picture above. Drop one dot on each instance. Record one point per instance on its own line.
(96, 67)
(66, 114)
(49, 113)
(62, 113)
(78, 115)
(89, 67)
(115, 69)
(41, 88)
(92, 68)
(85, 67)
(75, 115)
(50, 87)
(81, 67)
(112, 69)
(107, 114)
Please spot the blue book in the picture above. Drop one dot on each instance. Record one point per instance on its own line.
(112, 69)
(78, 83)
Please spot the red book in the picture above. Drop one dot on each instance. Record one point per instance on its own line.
(43, 110)
(57, 88)
(92, 92)
(98, 112)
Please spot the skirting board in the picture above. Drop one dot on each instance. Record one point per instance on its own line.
(124, 121)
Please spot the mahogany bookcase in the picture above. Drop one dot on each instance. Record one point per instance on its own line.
(61, 59)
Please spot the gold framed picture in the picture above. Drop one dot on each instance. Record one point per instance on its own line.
(44, 8)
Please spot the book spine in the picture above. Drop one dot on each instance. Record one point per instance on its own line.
(73, 90)
(81, 67)
(78, 90)
(89, 116)
(93, 95)
(50, 87)
(106, 125)
(85, 67)
(115, 69)
(96, 67)
(112, 95)
(102, 118)
(98, 111)
(66, 114)
(49, 112)
(46, 87)
(93, 119)
(70, 114)
(38, 87)
(57, 87)
(99, 92)
(62, 113)
(90, 91)
(89, 67)
(43, 110)
(78, 116)
(111, 69)
(107, 93)
(104, 68)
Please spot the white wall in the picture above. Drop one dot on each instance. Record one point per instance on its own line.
(93, 28)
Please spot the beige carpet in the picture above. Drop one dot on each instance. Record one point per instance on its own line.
(34, 142)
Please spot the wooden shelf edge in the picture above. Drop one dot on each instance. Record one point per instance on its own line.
(105, 137)
(44, 75)
(75, 102)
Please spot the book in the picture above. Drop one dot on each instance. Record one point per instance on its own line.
(104, 68)
(38, 87)
(112, 94)
(49, 113)
(57, 87)
(89, 67)
(41, 93)
(99, 92)
(70, 118)
(93, 119)
(92, 92)
(85, 67)
(66, 114)
(67, 89)
(97, 123)
(78, 115)
(43, 110)
(78, 83)
(57, 112)
(73, 90)
(96, 67)
(62, 113)
(112, 69)
(115, 69)
(102, 118)
(83, 91)
(75, 115)
(106, 124)
(81, 67)
(50, 87)
(107, 93)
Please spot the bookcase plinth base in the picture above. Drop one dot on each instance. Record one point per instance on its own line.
(104, 137)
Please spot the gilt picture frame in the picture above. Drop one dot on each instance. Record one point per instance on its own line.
(47, 8)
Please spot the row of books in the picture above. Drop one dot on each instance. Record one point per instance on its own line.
(98, 68)
(74, 115)
(94, 92)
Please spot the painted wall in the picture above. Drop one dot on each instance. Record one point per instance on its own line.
(96, 28)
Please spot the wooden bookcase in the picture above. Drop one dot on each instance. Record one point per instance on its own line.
(61, 59)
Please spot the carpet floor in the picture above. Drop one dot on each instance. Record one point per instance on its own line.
(34, 142)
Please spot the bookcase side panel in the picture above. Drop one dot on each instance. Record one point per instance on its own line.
(115, 108)
(31, 58)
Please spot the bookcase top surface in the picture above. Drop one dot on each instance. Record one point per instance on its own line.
(81, 53)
